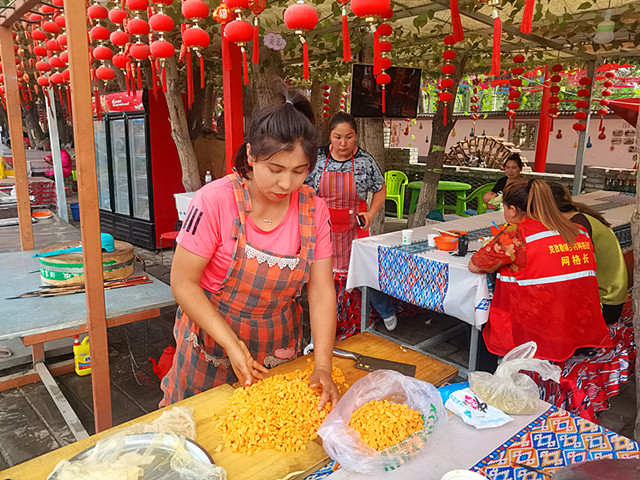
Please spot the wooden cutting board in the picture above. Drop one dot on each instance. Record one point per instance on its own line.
(209, 406)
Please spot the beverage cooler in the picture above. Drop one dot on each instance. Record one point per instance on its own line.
(137, 166)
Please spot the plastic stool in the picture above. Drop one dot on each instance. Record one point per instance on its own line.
(166, 236)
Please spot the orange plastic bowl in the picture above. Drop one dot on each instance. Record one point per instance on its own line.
(446, 243)
(454, 233)
(496, 230)
(41, 213)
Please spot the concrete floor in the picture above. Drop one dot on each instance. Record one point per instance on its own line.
(30, 424)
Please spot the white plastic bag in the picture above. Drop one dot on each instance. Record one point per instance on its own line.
(510, 391)
(343, 442)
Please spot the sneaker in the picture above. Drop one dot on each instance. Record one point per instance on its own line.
(391, 322)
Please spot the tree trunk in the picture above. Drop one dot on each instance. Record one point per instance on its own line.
(30, 116)
(180, 129)
(207, 116)
(194, 115)
(438, 143)
(262, 78)
(635, 235)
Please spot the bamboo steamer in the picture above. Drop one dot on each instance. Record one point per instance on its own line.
(68, 268)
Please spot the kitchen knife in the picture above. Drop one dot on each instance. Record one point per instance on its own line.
(370, 363)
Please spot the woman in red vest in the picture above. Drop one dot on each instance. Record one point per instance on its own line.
(546, 288)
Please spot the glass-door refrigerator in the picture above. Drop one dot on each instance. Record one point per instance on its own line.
(137, 166)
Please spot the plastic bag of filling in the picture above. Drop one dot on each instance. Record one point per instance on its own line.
(511, 391)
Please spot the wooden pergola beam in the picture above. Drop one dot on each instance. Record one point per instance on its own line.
(14, 115)
(14, 12)
(78, 45)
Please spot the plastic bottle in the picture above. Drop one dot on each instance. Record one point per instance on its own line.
(81, 356)
(207, 177)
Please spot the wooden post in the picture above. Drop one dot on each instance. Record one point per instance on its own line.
(582, 137)
(232, 94)
(544, 125)
(14, 115)
(76, 21)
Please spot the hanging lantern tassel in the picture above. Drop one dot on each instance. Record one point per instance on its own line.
(444, 117)
(527, 16)
(456, 23)
(346, 41)
(69, 104)
(154, 79)
(497, 35)
(245, 72)
(256, 42)
(96, 96)
(551, 125)
(305, 53)
(383, 99)
(164, 77)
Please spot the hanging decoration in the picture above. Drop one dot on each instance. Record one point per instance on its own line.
(194, 39)
(514, 90)
(97, 13)
(602, 135)
(559, 134)
(527, 16)
(497, 38)
(346, 41)
(326, 93)
(604, 102)
(138, 27)
(371, 11)
(161, 23)
(383, 78)
(301, 17)
(240, 32)
(222, 14)
(448, 69)
(456, 23)
(582, 105)
(554, 90)
(120, 38)
(475, 102)
(343, 101)
(257, 7)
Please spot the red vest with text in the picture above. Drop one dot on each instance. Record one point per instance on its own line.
(553, 300)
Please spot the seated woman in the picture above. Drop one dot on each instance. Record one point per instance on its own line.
(612, 271)
(546, 288)
(66, 164)
(512, 168)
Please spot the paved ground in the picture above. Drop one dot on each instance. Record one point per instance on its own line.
(30, 424)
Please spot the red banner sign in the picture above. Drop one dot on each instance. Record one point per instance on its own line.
(120, 102)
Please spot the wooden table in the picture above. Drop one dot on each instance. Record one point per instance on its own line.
(209, 406)
(443, 186)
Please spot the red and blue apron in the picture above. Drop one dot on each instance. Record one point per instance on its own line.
(258, 299)
(338, 189)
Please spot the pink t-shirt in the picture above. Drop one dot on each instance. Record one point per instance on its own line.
(207, 230)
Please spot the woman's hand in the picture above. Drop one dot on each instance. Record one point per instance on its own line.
(244, 366)
(368, 218)
(321, 378)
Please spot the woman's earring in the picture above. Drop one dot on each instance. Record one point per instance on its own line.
(250, 164)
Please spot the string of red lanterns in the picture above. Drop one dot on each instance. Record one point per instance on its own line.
(160, 48)
(604, 102)
(554, 90)
(195, 39)
(447, 69)
(240, 32)
(582, 105)
(514, 90)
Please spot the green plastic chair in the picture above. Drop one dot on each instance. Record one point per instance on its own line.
(396, 181)
(461, 204)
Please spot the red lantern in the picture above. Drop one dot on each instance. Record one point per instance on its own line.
(606, 93)
(43, 81)
(137, 4)
(102, 53)
(56, 78)
(579, 127)
(449, 54)
(105, 73)
(39, 35)
(301, 18)
(195, 9)
(582, 104)
(50, 27)
(585, 81)
(448, 69)
(119, 38)
(120, 60)
(240, 32)
(98, 12)
(138, 27)
(117, 15)
(56, 62)
(446, 83)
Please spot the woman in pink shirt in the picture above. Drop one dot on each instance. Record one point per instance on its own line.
(249, 243)
(66, 164)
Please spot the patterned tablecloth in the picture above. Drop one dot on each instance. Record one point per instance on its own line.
(555, 439)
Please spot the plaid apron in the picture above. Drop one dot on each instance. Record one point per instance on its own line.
(258, 299)
(339, 192)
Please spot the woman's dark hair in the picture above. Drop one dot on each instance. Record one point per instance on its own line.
(515, 157)
(279, 128)
(342, 117)
(534, 197)
(565, 203)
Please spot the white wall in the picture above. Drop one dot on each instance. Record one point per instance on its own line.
(561, 151)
